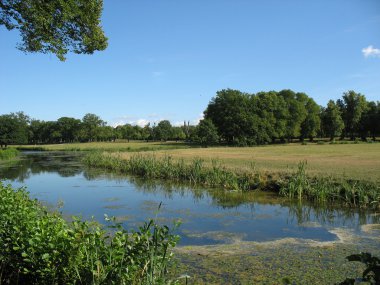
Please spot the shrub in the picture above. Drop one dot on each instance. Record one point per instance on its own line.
(40, 247)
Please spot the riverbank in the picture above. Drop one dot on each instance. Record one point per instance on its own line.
(294, 185)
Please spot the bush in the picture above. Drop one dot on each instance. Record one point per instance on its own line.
(8, 153)
(40, 247)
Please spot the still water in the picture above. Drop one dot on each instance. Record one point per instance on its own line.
(208, 216)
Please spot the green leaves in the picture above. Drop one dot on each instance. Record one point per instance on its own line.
(39, 247)
(56, 26)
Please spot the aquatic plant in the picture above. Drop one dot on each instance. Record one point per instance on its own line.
(40, 247)
(8, 153)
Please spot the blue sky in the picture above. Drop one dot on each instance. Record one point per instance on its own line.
(166, 59)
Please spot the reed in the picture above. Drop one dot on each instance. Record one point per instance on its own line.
(297, 185)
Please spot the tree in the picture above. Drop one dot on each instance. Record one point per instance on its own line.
(68, 128)
(14, 129)
(229, 112)
(332, 123)
(55, 26)
(295, 104)
(90, 125)
(312, 123)
(163, 130)
(206, 133)
(370, 121)
(352, 106)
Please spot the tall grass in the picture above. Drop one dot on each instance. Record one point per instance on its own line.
(8, 153)
(354, 193)
(40, 247)
(194, 172)
(298, 185)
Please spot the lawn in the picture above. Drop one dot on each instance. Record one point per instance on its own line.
(107, 146)
(358, 161)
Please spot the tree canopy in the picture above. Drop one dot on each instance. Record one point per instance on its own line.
(57, 26)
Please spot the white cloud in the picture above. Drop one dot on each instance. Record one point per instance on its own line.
(371, 51)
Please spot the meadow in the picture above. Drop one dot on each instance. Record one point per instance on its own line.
(359, 161)
(355, 161)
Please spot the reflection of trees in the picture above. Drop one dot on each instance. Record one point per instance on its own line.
(300, 212)
(64, 164)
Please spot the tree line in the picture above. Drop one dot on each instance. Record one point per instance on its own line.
(231, 117)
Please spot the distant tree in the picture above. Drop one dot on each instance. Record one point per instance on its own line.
(352, 106)
(296, 112)
(206, 133)
(90, 125)
(370, 121)
(55, 26)
(178, 133)
(332, 123)
(68, 127)
(312, 123)
(147, 132)
(163, 130)
(229, 112)
(14, 129)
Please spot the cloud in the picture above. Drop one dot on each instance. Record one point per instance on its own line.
(370, 51)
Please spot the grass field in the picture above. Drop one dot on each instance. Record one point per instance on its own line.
(357, 161)
(107, 146)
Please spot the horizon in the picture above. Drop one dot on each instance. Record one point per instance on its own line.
(165, 60)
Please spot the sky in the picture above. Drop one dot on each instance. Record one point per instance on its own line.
(166, 59)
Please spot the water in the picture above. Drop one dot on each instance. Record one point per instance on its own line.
(208, 216)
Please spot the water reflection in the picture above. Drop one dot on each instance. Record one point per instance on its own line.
(208, 215)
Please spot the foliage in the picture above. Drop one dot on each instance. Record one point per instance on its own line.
(14, 128)
(332, 123)
(206, 133)
(352, 106)
(163, 131)
(8, 153)
(56, 26)
(371, 274)
(40, 247)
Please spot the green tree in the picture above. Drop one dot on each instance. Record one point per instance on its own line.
(206, 133)
(57, 26)
(14, 129)
(91, 124)
(312, 123)
(163, 130)
(370, 121)
(295, 105)
(229, 112)
(332, 123)
(68, 128)
(352, 106)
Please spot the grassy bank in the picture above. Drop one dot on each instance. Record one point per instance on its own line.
(131, 146)
(8, 153)
(295, 185)
(40, 247)
(355, 161)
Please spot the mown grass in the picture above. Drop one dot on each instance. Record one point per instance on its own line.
(354, 161)
(40, 247)
(131, 146)
(295, 185)
(8, 153)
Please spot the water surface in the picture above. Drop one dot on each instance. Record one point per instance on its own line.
(208, 216)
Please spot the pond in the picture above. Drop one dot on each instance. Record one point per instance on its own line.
(207, 216)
